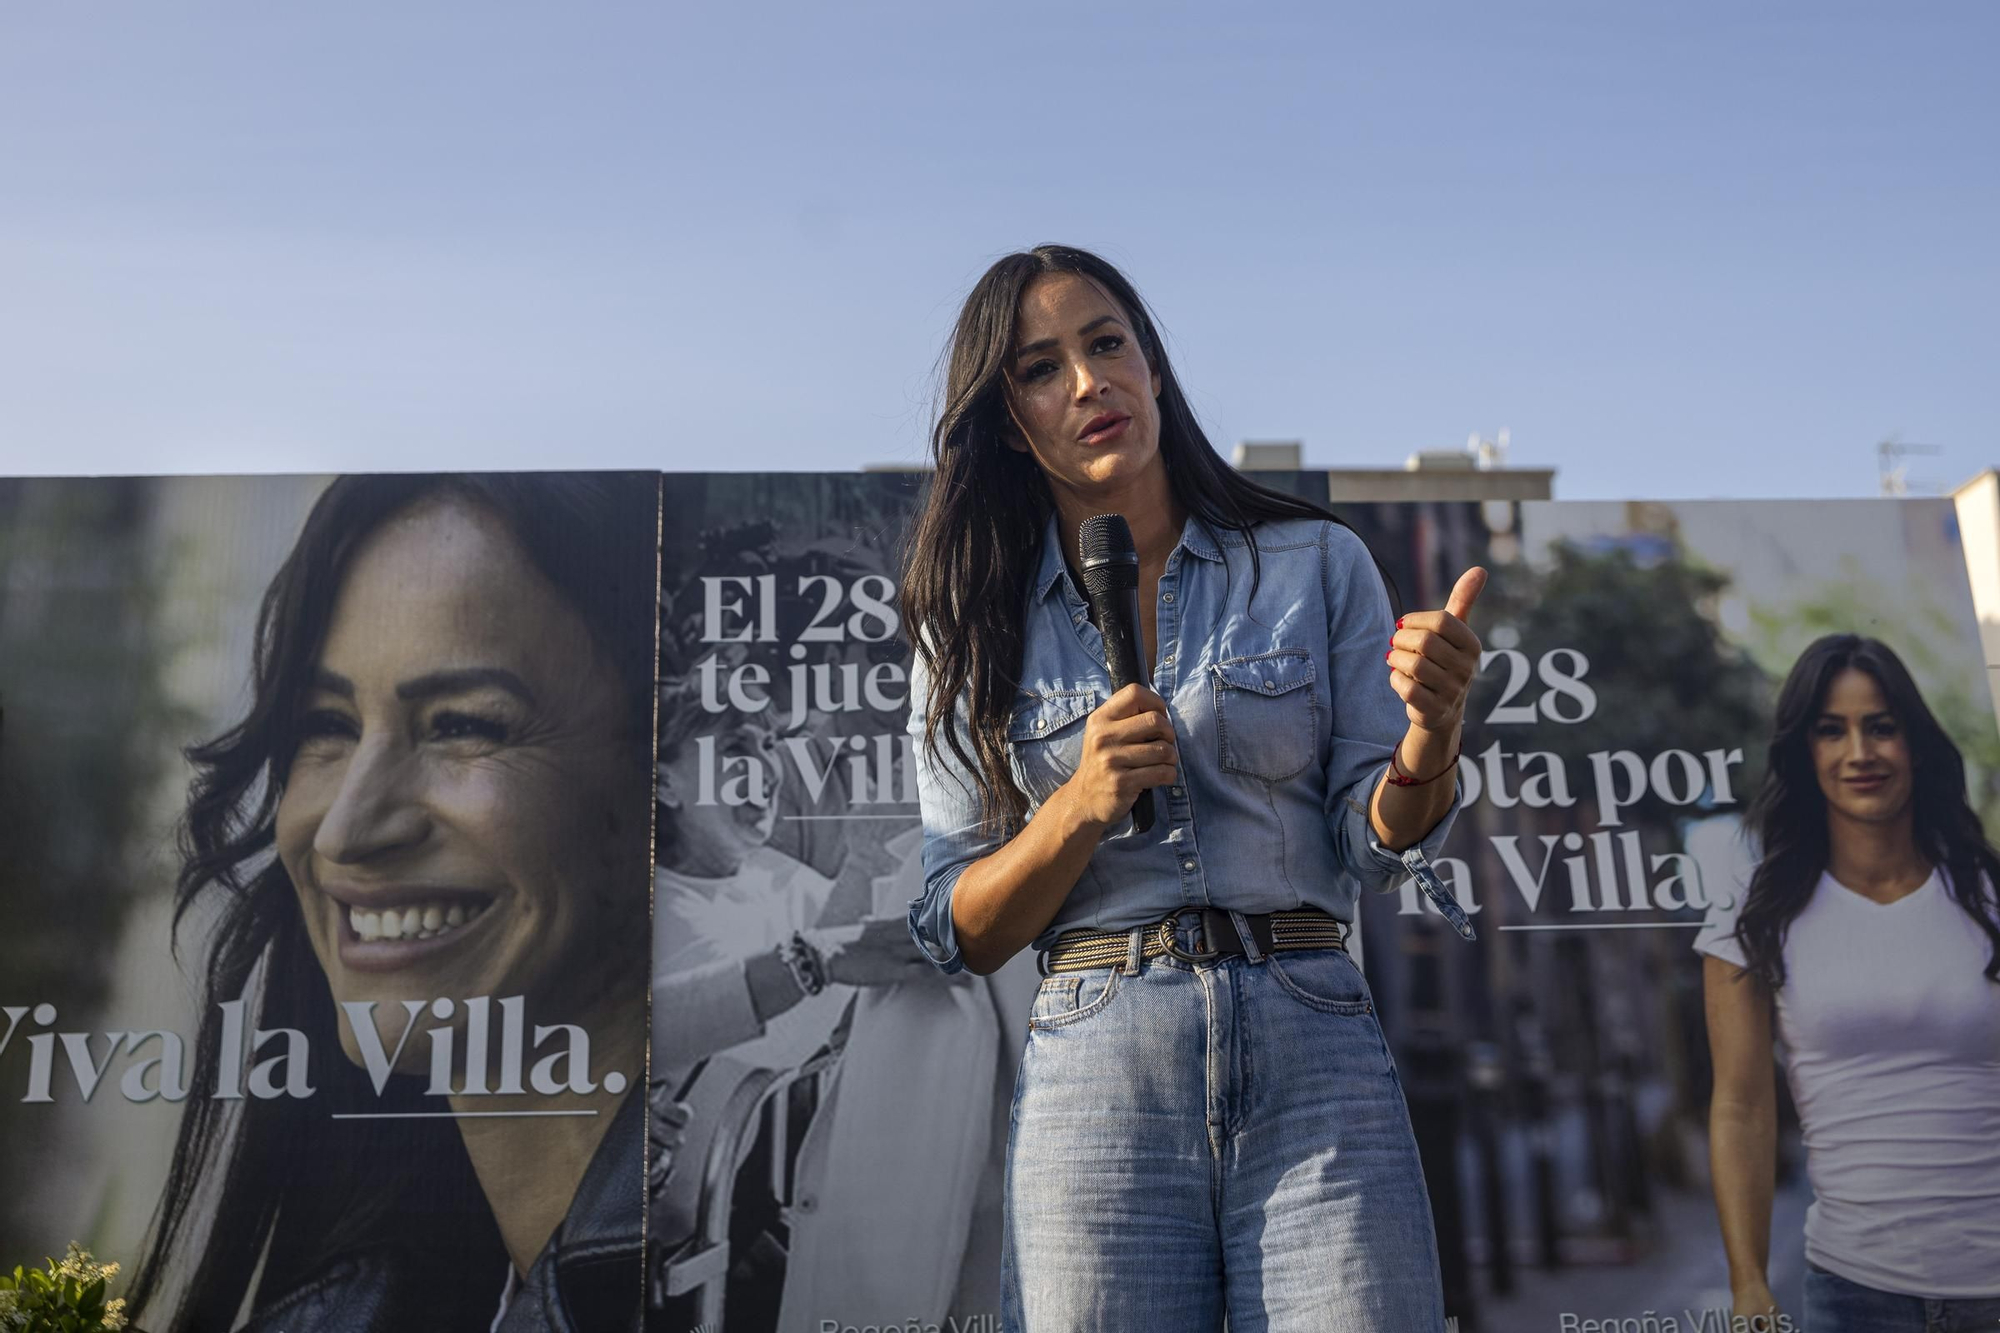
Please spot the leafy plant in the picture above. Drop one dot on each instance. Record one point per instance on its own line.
(66, 1297)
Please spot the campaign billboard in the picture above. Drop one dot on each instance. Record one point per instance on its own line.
(325, 813)
(401, 876)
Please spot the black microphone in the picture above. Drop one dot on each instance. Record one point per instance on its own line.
(1111, 582)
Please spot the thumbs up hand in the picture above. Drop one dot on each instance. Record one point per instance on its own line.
(1434, 655)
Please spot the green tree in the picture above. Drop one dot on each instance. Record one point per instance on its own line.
(85, 729)
(1940, 650)
(1664, 674)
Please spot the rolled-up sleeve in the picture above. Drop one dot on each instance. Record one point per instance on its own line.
(1369, 720)
(953, 835)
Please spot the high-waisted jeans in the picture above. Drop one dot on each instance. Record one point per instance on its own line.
(1228, 1137)
(1835, 1304)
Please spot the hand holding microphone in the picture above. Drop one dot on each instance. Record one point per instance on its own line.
(1128, 743)
(1128, 749)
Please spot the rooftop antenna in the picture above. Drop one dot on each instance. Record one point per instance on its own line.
(1895, 473)
(1489, 455)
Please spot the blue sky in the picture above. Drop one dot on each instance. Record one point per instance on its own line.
(1679, 250)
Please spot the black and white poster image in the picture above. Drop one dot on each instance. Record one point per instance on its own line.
(325, 830)
(829, 1111)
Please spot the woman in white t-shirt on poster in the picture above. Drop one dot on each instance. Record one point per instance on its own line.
(1868, 941)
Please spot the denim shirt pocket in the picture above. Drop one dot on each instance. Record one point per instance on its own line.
(1045, 737)
(1266, 719)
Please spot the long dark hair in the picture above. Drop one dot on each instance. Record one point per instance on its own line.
(1788, 816)
(280, 1180)
(973, 548)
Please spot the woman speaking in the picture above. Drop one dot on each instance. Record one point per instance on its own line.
(1207, 1122)
(1869, 940)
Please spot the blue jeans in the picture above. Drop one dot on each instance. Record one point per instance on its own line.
(1836, 1305)
(1190, 1140)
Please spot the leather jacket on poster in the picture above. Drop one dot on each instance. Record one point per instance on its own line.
(589, 1278)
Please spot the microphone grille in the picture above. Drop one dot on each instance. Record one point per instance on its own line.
(1110, 560)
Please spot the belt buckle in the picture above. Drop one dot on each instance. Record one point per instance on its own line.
(1169, 937)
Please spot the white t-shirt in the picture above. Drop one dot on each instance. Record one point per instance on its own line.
(703, 929)
(1891, 1036)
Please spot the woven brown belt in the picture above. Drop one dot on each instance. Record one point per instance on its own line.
(1194, 935)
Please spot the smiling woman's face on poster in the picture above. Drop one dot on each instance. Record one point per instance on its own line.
(445, 818)
(447, 750)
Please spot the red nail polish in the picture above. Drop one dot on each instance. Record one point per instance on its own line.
(1399, 622)
(1389, 656)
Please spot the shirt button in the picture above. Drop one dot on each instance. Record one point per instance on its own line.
(1187, 865)
(1267, 684)
(1166, 597)
(1173, 791)
(1168, 660)
(1041, 724)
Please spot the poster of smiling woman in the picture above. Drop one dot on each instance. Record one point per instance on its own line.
(1722, 1057)
(324, 820)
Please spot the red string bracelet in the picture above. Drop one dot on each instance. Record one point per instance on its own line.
(1398, 778)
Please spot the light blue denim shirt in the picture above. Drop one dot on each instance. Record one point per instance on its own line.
(1284, 718)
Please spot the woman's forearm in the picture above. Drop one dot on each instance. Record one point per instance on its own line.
(1743, 1164)
(1404, 816)
(1004, 900)
(711, 1006)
